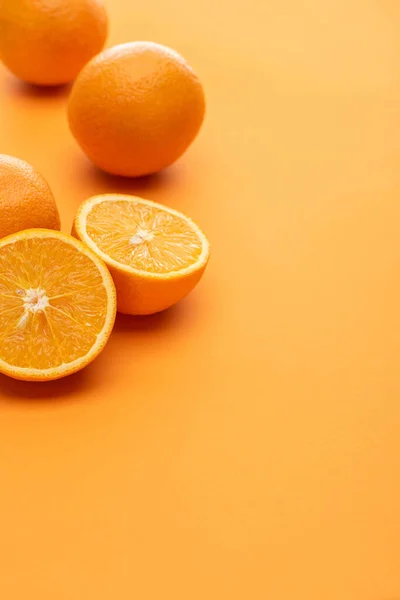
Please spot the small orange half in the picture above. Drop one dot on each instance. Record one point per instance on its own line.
(57, 305)
(155, 254)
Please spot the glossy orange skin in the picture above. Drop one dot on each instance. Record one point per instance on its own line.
(49, 42)
(136, 108)
(26, 200)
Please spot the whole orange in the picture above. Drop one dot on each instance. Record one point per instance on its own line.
(26, 200)
(135, 108)
(47, 42)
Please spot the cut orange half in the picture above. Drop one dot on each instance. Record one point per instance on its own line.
(57, 305)
(155, 254)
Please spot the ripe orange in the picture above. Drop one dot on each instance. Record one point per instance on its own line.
(136, 108)
(155, 254)
(57, 305)
(26, 200)
(48, 42)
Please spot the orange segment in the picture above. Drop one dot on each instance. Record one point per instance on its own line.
(57, 305)
(156, 255)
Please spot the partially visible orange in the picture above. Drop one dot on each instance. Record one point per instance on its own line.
(57, 305)
(47, 42)
(156, 255)
(26, 200)
(136, 108)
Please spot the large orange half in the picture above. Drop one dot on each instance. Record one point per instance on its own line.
(156, 255)
(57, 305)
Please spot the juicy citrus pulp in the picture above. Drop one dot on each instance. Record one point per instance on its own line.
(143, 236)
(155, 254)
(57, 305)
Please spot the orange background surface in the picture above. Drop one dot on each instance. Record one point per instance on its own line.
(244, 445)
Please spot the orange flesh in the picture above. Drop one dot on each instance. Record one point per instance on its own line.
(143, 237)
(53, 303)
